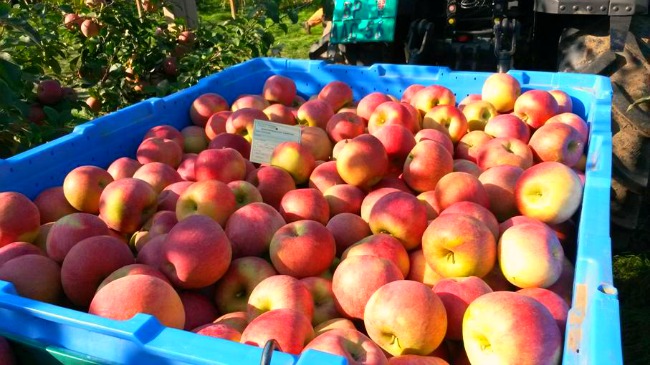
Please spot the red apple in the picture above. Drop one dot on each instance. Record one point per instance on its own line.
(430, 96)
(168, 197)
(505, 327)
(166, 131)
(272, 325)
(381, 245)
(420, 326)
(317, 141)
(249, 101)
(321, 291)
(186, 168)
(344, 198)
(157, 149)
(302, 248)
(460, 186)
(558, 308)
(280, 113)
(408, 93)
(70, 229)
(18, 248)
(535, 107)
(557, 142)
(426, 164)
(295, 158)
(123, 167)
(235, 286)
(564, 101)
(351, 344)
(504, 151)
(126, 204)
(468, 99)
(279, 89)
(195, 253)
(52, 204)
(369, 103)
(280, 292)
(224, 164)
(207, 197)
(477, 211)
(499, 183)
(530, 255)
(204, 106)
(574, 121)
(345, 125)
(234, 141)
(468, 146)
(195, 139)
(428, 199)
(478, 113)
(157, 174)
(501, 90)
(509, 126)
(371, 198)
(420, 270)
(88, 263)
(245, 192)
(34, 276)
(355, 280)
(251, 228)
(549, 191)
(392, 112)
(398, 142)
(436, 135)
(347, 228)
(457, 294)
(461, 165)
(325, 176)
(336, 94)
(449, 117)
(242, 122)
(315, 113)
(459, 245)
(272, 182)
(402, 216)
(216, 124)
(123, 298)
(363, 161)
(83, 186)
(49, 92)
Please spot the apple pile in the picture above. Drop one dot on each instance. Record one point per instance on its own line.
(416, 230)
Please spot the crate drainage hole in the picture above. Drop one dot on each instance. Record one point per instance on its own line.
(607, 289)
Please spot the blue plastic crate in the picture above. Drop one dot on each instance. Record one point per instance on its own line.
(593, 327)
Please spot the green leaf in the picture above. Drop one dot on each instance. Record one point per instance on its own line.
(645, 99)
(5, 8)
(24, 27)
(284, 27)
(293, 16)
(51, 113)
(11, 73)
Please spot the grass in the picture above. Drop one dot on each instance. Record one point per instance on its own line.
(294, 43)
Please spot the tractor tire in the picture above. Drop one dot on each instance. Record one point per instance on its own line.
(587, 50)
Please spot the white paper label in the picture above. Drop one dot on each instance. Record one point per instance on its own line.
(267, 135)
